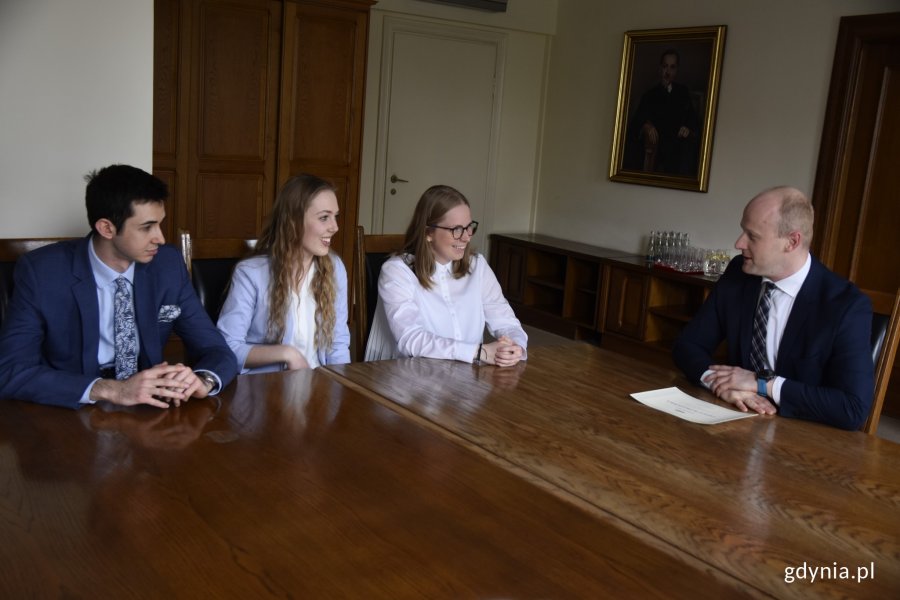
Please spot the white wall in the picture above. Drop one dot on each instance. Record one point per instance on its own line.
(528, 26)
(775, 77)
(76, 94)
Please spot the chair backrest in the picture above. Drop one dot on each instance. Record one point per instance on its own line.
(10, 251)
(370, 253)
(885, 337)
(211, 265)
(879, 332)
(185, 244)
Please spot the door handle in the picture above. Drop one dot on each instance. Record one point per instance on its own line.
(395, 179)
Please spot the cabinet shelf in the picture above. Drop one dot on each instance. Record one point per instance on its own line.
(547, 283)
(553, 310)
(678, 312)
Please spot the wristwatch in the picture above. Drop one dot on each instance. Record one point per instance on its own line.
(208, 379)
(762, 378)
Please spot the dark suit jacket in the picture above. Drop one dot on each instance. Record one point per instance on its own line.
(49, 341)
(825, 353)
(668, 112)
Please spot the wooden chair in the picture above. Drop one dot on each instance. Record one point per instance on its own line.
(184, 244)
(369, 253)
(885, 337)
(10, 251)
(211, 263)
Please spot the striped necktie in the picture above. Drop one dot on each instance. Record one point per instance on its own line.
(759, 360)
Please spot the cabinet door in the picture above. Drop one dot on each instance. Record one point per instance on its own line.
(216, 76)
(323, 76)
(234, 69)
(167, 15)
(627, 303)
(510, 268)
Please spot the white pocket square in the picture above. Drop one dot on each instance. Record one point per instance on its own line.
(169, 312)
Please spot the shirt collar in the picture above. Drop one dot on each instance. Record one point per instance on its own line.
(104, 275)
(438, 267)
(791, 285)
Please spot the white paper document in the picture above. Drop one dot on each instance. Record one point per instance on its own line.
(675, 402)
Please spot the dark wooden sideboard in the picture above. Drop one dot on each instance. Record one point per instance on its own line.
(593, 293)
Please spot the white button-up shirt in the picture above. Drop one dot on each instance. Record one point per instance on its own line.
(783, 297)
(446, 321)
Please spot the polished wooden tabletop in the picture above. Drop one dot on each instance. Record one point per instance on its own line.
(296, 486)
(758, 499)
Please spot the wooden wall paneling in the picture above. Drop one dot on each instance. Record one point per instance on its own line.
(235, 70)
(249, 92)
(166, 86)
(322, 91)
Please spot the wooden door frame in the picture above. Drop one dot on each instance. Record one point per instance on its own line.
(841, 112)
(838, 187)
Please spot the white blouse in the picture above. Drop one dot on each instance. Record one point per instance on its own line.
(446, 321)
(303, 306)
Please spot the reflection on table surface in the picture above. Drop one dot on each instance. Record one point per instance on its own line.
(296, 486)
(748, 498)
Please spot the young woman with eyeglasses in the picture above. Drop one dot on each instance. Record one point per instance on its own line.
(437, 294)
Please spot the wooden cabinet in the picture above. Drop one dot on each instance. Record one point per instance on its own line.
(589, 292)
(551, 283)
(626, 303)
(322, 92)
(248, 93)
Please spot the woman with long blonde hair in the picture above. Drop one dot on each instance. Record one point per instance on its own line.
(287, 305)
(436, 296)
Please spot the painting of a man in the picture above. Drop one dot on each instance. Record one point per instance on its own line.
(663, 134)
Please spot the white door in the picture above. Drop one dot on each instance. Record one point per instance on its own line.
(438, 121)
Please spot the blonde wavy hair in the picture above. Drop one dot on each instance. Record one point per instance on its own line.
(282, 241)
(435, 202)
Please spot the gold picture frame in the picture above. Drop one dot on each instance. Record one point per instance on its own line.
(666, 110)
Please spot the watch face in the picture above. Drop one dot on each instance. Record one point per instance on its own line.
(767, 374)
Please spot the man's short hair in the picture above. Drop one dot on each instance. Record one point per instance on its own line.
(111, 191)
(796, 214)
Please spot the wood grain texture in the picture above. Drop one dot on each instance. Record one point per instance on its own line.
(295, 486)
(749, 498)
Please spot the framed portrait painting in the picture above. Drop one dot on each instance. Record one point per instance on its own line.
(666, 109)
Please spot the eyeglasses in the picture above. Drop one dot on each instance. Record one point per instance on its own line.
(457, 231)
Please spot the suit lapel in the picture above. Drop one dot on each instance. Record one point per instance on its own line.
(809, 291)
(145, 312)
(84, 288)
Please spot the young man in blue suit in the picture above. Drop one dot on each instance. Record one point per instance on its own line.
(812, 357)
(89, 317)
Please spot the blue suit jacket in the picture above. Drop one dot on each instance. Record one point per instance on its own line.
(49, 342)
(824, 356)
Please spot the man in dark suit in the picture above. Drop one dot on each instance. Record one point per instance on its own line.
(811, 356)
(89, 317)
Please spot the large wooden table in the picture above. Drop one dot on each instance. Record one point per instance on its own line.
(297, 486)
(747, 499)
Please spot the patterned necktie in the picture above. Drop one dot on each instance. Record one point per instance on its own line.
(759, 360)
(124, 330)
